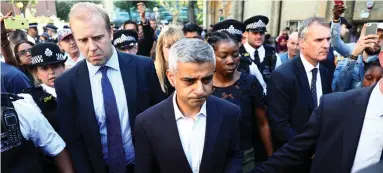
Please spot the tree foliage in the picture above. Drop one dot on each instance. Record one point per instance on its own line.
(63, 7)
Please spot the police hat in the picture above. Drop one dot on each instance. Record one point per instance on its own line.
(33, 25)
(232, 26)
(125, 38)
(256, 23)
(46, 53)
(51, 26)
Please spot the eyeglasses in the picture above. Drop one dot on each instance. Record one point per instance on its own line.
(24, 52)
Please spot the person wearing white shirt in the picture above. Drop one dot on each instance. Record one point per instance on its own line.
(33, 127)
(47, 65)
(190, 131)
(68, 45)
(262, 59)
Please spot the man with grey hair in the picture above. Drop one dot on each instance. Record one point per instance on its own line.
(190, 131)
(292, 48)
(343, 140)
(294, 89)
(99, 98)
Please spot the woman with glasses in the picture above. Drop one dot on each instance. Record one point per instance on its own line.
(165, 40)
(23, 57)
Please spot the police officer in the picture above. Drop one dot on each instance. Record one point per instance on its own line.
(47, 65)
(33, 32)
(51, 29)
(22, 128)
(231, 26)
(258, 58)
(126, 41)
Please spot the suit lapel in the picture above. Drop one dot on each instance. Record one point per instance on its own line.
(352, 127)
(213, 123)
(303, 81)
(129, 78)
(88, 118)
(324, 79)
(171, 136)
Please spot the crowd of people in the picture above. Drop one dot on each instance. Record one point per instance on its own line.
(101, 99)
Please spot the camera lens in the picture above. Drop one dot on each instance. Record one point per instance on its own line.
(22, 23)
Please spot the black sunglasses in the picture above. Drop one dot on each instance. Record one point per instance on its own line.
(24, 52)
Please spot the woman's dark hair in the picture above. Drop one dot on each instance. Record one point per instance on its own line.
(16, 48)
(370, 65)
(215, 37)
(130, 22)
(192, 27)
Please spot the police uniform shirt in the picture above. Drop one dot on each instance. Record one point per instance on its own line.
(29, 99)
(36, 128)
(254, 70)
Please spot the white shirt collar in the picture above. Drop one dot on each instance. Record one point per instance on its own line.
(112, 63)
(251, 49)
(178, 113)
(49, 89)
(308, 67)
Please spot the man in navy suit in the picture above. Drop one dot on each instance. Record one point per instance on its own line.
(294, 88)
(190, 132)
(99, 98)
(343, 135)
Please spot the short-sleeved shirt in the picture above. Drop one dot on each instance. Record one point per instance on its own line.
(12, 79)
(36, 128)
(247, 93)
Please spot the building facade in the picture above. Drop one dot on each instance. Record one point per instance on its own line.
(289, 13)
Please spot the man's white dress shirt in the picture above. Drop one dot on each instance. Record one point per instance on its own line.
(192, 134)
(371, 137)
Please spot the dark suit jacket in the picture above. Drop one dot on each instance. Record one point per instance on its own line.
(289, 99)
(75, 109)
(332, 133)
(159, 148)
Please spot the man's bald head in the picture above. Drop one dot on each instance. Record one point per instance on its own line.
(292, 44)
(85, 11)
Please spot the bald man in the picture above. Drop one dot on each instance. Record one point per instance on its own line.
(292, 48)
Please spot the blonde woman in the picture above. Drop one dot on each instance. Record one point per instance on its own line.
(165, 40)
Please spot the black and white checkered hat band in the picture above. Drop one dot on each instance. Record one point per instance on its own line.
(124, 38)
(231, 30)
(256, 25)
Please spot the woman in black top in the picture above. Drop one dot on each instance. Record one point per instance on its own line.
(245, 91)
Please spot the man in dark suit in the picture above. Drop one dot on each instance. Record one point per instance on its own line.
(99, 98)
(190, 132)
(294, 88)
(344, 133)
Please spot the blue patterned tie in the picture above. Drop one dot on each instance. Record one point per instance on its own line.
(314, 86)
(116, 154)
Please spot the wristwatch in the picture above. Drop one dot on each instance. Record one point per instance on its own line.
(352, 57)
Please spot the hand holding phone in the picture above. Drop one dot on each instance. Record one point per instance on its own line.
(371, 28)
(16, 23)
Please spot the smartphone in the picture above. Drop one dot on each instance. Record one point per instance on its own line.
(372, 28)
(16, 23)
(339, 2)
